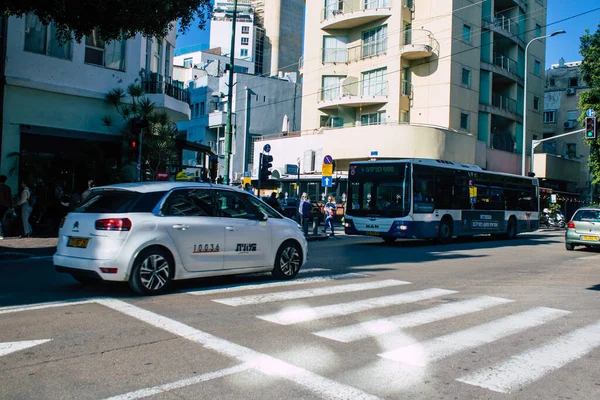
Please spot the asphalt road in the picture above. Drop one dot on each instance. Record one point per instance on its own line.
(477, 319)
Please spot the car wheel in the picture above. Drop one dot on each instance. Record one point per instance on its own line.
(511, 229)
(389, 240)
(287, 261)
(152, 272)
(570, 246)
(86, 280)
(445, 233)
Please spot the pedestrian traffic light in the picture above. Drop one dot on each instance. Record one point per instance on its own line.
(590, 128)
(213, 167)
(265, 167)
(133, 147)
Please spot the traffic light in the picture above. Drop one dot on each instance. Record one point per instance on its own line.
(265, 167)
(590, 128)
(133, 147)
(213, 167)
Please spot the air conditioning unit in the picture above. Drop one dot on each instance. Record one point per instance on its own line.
(570, 91)
(570, 124)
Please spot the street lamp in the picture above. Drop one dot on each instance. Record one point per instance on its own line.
(523, 150)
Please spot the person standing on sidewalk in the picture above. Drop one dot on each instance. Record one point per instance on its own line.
(329, 209)
(25, 209)
(5, 202)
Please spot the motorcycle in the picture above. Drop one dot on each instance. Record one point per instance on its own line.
(552, 220)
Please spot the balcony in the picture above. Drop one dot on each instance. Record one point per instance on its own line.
(419, 43)
(347, 94)
(504, 66)
(216, 119)
(352, 13)
(504, 103)
(549, 166)
(504, 26)
(167, 94)
(354, 53)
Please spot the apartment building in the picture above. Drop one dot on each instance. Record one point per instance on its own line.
(420, 78)
(562, 164)
(55, 106)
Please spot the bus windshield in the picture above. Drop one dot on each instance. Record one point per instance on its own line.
(379, 190)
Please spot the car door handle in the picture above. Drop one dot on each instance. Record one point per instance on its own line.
(230, 228)
(181, 227)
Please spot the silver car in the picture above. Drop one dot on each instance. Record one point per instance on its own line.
(149, 234)
(584, 228)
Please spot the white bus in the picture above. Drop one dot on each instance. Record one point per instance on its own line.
(434, 199)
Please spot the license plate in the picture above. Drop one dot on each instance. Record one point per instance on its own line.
(372, 233)
(78, 242)
(591, 238)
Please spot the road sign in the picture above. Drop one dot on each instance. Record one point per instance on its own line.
(374, 153)
(267, 148)
(247, 174)
(326, 181)
(247, 180)
(590, 113)
(327, 159)
(327, 170)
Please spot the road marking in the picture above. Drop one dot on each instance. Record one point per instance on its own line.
(266, 364)
(381, 326)
(529, 366)
(296, 316)
(313, 270)
(423, 354)
(139, 394)
(11, 347)
(589, 257)
(41, 306)
(239, 287)
(304, 293)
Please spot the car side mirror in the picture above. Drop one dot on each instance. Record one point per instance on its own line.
(261, 216)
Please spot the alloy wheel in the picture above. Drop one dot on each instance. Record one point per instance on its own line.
(289, 261)
(154, 272)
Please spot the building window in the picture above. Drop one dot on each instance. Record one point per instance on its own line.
(197, 109)
(373, 118)
(374, 83)
(156, 50)
(187, 62)
(331, 121)
(466, 33)
(573, 82)
(374, 42)
(571, 150)
(572, 115)
(536, 103)
(335, 49)
(537, 68)
(168, 60)
(466, 77)
(41, 39)
(552, 82)
(244, 52)
(202, 109)
(245, 29)
(538, 30)
(464, 121)
(107, 54)
(245, 41)
(549, 117)
(331, 88)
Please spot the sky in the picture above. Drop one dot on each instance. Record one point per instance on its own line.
(566, 45)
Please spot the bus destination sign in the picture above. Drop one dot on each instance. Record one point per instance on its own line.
(375, 170)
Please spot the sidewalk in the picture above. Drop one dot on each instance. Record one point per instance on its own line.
(17, 248)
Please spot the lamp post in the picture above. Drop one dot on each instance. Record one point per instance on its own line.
(524, 150)
(227, 161)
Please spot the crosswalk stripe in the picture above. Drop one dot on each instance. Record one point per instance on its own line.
(381, 326)
(304, 293)
(422, 354)
(529, 366)
(290, 317)
(239, 287)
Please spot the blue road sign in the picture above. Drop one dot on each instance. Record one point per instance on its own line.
(374, 153)
(326, 181)
(590, 113)
(267, 148)
(327, 159)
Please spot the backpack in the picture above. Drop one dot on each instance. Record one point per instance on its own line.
(306, 208)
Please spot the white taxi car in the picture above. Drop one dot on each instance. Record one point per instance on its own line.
(149, 234)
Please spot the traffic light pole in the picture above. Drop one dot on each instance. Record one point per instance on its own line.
(260, 161)
(228, 135)
(535, 143)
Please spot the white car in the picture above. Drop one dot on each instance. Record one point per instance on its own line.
(149, 234)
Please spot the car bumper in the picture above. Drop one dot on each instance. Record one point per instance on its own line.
(87, 267)
(576, 239)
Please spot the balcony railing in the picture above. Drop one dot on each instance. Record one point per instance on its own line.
(349, 6)
(504, 103)
(157, 84)
(503, 141)
(351, 89)
(355, 53)
(419, 43)
(506, 23)
(507, 64)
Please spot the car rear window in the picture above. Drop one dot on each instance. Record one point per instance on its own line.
(109, 201)
(587, 216)
(146, 202)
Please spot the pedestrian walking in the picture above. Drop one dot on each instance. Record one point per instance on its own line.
(26, 208)
(88, 191)
(5, 203)
(304, 209)
(329, 209)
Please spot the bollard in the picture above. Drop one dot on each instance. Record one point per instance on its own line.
(315, 226)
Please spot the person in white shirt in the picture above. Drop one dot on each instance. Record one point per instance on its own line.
(25, 209)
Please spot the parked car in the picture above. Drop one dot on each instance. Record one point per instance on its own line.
(149, 234)
(584, 228)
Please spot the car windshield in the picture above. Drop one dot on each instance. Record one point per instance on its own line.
(379, 190)
(587, 216)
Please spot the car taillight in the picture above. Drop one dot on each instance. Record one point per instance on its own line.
(62, 222)
(571, 225)
(113, 224)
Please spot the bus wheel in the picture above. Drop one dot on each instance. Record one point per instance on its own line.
(445, 233)
(389, 240)
(511, 229)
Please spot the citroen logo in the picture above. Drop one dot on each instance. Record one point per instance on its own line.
(76, 226)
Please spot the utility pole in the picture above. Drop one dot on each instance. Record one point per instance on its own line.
(228, 134)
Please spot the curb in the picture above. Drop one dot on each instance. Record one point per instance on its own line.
(316, 238)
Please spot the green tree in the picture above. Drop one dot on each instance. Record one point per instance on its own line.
(590, 72)
(159, 152)
(113, 18)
